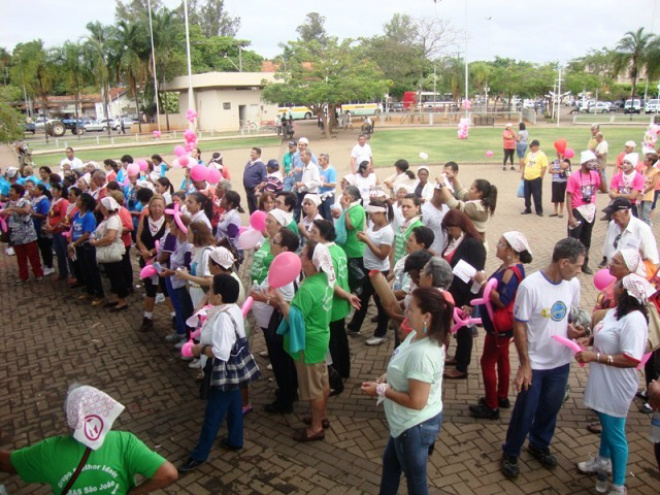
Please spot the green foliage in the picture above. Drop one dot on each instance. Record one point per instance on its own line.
(11, 123)
(211, 17)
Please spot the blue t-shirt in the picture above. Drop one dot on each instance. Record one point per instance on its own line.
(121, 176)
(81, 225)
(330, 176)
(5, 185)
(163, 169)
(42, 208)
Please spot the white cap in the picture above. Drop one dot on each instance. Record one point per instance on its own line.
(632, 158)
(587, 156)
(303, 140)
(631, 144)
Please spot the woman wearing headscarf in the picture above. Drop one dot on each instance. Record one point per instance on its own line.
(618, 344)
(107, 233)
(275, 221)
(352, 220)
(423, 188)
(513, 250)
(306, 331)
(412, 392)
(310, 208)
(90, 414)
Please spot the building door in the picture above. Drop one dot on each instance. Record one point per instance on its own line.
(242, 116)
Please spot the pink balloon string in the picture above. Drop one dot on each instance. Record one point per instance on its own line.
(460, 320)
(176, 213)
(571, 344)
(491, 285)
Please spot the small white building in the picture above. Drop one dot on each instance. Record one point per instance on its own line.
(224, 101)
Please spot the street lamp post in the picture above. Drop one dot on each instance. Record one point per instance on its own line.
(191, 100)
(467, 81)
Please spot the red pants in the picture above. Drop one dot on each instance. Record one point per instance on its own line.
(496, 353)
(25, 252)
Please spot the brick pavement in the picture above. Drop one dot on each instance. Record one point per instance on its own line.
(51, 340)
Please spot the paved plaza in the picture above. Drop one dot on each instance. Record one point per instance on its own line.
(50, 340)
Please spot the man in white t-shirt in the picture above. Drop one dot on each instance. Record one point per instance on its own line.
(541, 310)
(361, 153)
(70, 162)
(432, 214)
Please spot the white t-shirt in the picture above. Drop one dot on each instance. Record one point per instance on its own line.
(200, 216)
(637, 235)
(364, 184)
(199, 267)
(384, 236)
(432, 218)
(220, 332)
(610, 390)
(545, 306)
(361, 154)
(74, 164)
(398, 217)
(262, 312)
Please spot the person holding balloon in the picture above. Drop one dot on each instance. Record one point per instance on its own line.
(581, 189)
(275, 221)
(619, 342)
(513, 250)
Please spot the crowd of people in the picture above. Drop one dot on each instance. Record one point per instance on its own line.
(416, 245)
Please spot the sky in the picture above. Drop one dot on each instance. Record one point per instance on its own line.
(532, 30)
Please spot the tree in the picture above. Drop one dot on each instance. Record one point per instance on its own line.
(324, 77)
(313, 29)
(11, 124)
(72, 69)
(5, 64)
(211, 16)
(632, 54)
(98, 59)
(129, 10)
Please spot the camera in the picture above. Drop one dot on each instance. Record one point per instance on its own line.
(586, 198)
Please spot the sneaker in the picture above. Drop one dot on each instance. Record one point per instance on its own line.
(247, 409)
(179, 345)
(20, 282)
(601, 483)
(543, 456)
(509, 466)
(482, 411)
(160, 298)
(194, 364)
(375, 340)
(190, 465)
(174, 338)
(269, 367)
(618, 490)
(48, 271)
(646, 408)
(594, 464)
(10, 251)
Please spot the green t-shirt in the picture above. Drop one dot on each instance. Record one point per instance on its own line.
(287, 161)
(314, 300)
(109, 470)
(353, 247)
(261, 263)
(340, 307)
(401, 238)
(293, 227)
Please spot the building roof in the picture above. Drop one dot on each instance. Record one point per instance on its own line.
(221, 80)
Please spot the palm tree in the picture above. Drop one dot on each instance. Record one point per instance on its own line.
(70, 60)
(632, 53)
(97, 57)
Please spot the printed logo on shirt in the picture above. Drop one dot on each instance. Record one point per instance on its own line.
(557, 312)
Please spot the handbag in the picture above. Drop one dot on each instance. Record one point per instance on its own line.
(503, 317)
(340, 229)
(520, 193)
(112, 253)
(240, 369)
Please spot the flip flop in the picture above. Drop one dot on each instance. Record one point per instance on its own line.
(595, 427)
(302, 436)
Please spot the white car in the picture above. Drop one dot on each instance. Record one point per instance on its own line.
(652, 106)
(96, 126)
(600, 107)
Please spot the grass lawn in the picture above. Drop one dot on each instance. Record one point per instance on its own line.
(162, 148)
(442, 144)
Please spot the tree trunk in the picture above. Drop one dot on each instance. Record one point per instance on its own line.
(137, 106)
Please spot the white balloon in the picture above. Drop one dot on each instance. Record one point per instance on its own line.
(423, 155)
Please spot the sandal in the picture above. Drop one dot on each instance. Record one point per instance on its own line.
(302, 436)
(325, 422)
(118, 308)
(595, 427)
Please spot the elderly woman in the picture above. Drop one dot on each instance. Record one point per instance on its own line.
(513, 250)
(412, 390)
(122, 454)
(618, 344)
(221, 337)
(306, 331)
(423, 188)
(310, 208)
(108, 238)
(509, 139)
(263, 257)
(352, 220)
(478, 203)
(22, 235)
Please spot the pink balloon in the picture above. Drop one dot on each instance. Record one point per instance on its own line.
(460, 321)
(485, 299)
(190, 135)
(571, 344)
(258, 220)
(175, 163)
(603, 278)
(242, 229)
(569, 153)
(66, 234)
(133, 169)
(284, 269)
(644, 359)
(214, 176)
(247, 306)
(249, 239)
(176, 213)
(179, 150)
(184, 160)
(489, 154)
(157, 134)
(144, 166)
(148, 272)
(199, 172)
(186, 350)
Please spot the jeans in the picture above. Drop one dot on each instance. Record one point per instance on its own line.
(252, 199)
(613, 445)
(183, 306)
(284, 368)
(409, 453)
(496, 356)
(645, 208)
(59, 243)
(219, 404)
(288, 183)
(45, 245)
(533, 188)
(508, 155)
(536, 409)
(325, 208)
(582, 233)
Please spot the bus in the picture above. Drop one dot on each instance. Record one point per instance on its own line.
(298, 112)
(362, 109)
(428, 101)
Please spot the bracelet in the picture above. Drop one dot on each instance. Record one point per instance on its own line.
(381, 388)
(610, 360)
(598, 357)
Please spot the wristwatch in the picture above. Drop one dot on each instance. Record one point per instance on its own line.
(610, 360)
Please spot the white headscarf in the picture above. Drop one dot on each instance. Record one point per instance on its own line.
(322, 260)
(222, 256)
(631, 158)
(280, 216)
(110, 204)
(517, 241)
(587, 156)
(314, 198)
(633, 260)
(91, 413)
(638, 287)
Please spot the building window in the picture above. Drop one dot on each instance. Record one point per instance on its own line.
(226, 105)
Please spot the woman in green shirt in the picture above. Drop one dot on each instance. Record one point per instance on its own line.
(355, 220)
(275, 220)
(410, 207)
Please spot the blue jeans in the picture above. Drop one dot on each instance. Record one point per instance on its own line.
(218, 404)
(613, 445)
(59, 243)
(325, 208)
(536, 409)
(183, 306)
(288, 183)
(409, 453)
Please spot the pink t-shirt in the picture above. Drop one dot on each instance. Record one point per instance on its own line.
(624, 186)
(581, 185)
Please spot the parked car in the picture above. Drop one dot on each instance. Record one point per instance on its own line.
(112, 123)
(96, 126)
(652, 106)
(397, 107)
(29, 127)
(600, 107)
(633, 106)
